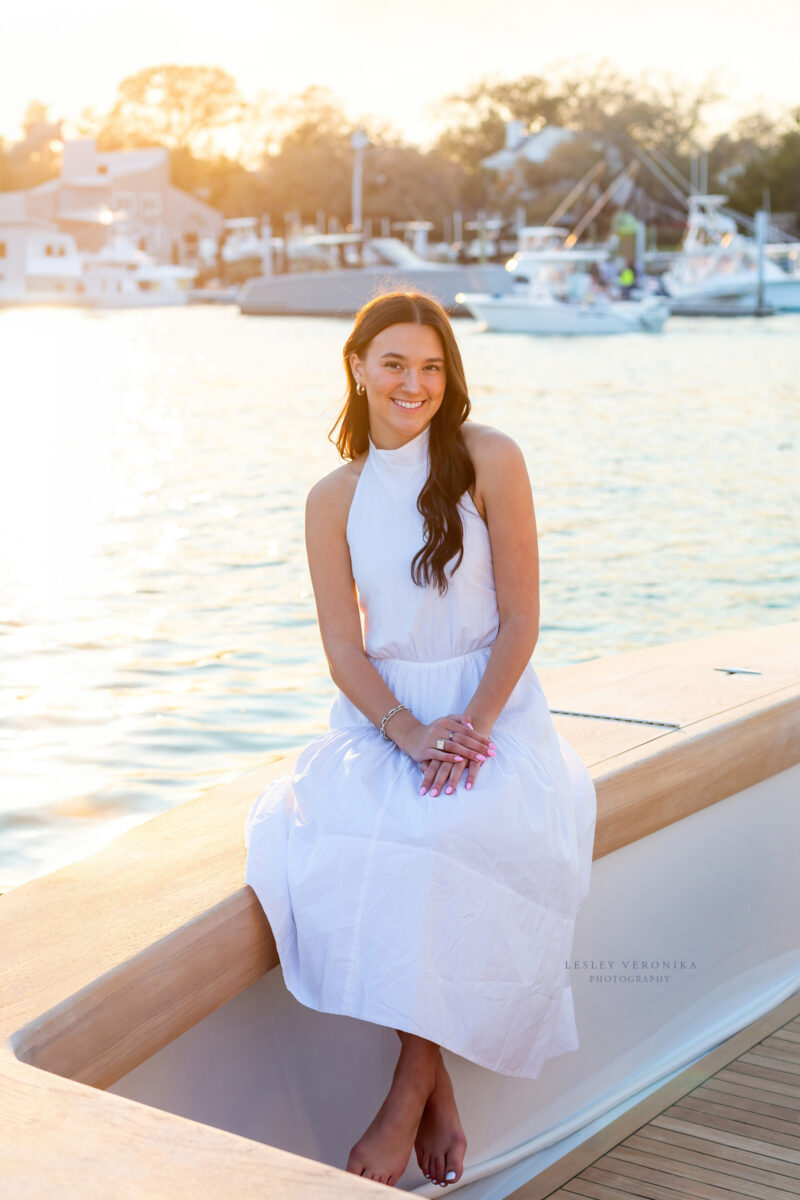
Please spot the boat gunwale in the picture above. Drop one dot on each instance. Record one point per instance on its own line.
(197, 945)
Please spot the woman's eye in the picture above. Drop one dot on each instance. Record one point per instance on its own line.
(430, 367)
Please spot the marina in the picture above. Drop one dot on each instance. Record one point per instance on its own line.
(215, 922)
(111, 231)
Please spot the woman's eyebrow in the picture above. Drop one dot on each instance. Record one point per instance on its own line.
(392, 354)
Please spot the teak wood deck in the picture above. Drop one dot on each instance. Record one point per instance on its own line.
(108, 960)
(726, 1128)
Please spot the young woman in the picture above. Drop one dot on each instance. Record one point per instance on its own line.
(422, 866)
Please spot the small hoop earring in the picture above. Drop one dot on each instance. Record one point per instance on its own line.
(361, 389)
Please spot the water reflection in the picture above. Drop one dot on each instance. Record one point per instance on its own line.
(157, 623)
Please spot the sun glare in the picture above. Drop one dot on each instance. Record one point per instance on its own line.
(54, 481)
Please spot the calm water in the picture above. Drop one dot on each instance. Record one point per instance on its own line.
(157, 625)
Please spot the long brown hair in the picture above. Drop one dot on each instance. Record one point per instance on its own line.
(451, 470)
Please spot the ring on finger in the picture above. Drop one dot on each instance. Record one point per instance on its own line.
(440, 744)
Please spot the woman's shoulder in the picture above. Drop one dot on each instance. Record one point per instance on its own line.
(334, 492)
(492, 453)
(489, 447)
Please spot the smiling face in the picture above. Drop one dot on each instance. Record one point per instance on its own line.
(403, 371)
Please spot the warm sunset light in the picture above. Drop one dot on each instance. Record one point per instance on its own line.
(399, 604)
(72, 58)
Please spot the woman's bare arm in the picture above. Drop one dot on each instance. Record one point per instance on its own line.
(327, 508)
(506, 491)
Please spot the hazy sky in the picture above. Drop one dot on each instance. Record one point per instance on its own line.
(391, 59)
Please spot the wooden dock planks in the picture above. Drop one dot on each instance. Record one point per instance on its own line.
(733, 1136)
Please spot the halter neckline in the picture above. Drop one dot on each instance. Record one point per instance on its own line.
(413, 453)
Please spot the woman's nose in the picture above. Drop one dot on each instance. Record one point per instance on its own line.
(411, 380)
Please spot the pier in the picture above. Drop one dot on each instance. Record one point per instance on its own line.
(726, 1127)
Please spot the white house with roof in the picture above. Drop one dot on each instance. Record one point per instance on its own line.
(521, 147)
(129, 189)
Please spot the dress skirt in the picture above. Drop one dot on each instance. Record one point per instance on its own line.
(451, 917)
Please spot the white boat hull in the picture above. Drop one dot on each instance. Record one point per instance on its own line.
(520, 314)
(138, 300)
(736, 293)
(341, 293)
(708, 946)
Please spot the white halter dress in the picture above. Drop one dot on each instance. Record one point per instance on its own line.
(451, 917)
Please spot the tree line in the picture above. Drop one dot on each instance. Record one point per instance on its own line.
(293, 156)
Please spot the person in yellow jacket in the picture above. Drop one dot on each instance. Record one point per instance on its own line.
(626, 280)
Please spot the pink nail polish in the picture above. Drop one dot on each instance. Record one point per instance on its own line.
(493, 745)
(469, 783)
(448, 791)
(492, 754)
(459, 758)
(481, 757)
(434, 792)
(422, 791)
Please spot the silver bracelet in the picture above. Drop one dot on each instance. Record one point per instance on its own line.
(391, 713)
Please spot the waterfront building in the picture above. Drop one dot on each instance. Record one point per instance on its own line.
(559, 173)
(37, 261)
(521, 147)
(129, 189)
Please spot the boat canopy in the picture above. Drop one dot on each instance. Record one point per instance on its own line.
(543, 231)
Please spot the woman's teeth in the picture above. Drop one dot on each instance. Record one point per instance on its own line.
(407, 404)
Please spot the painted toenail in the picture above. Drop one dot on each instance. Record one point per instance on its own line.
(450, 1175)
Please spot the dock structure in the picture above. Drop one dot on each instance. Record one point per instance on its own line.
(726, 1128)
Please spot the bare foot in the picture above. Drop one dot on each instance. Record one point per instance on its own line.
(440, 1142)
(383, 1150)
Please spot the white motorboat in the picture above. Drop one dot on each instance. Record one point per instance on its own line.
(122, 276)
(39, 265)
(44, 266)
(336, 274)
(243, 240)
(149, 1047)
(717, 268)
(555, 293)
(248, 245)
